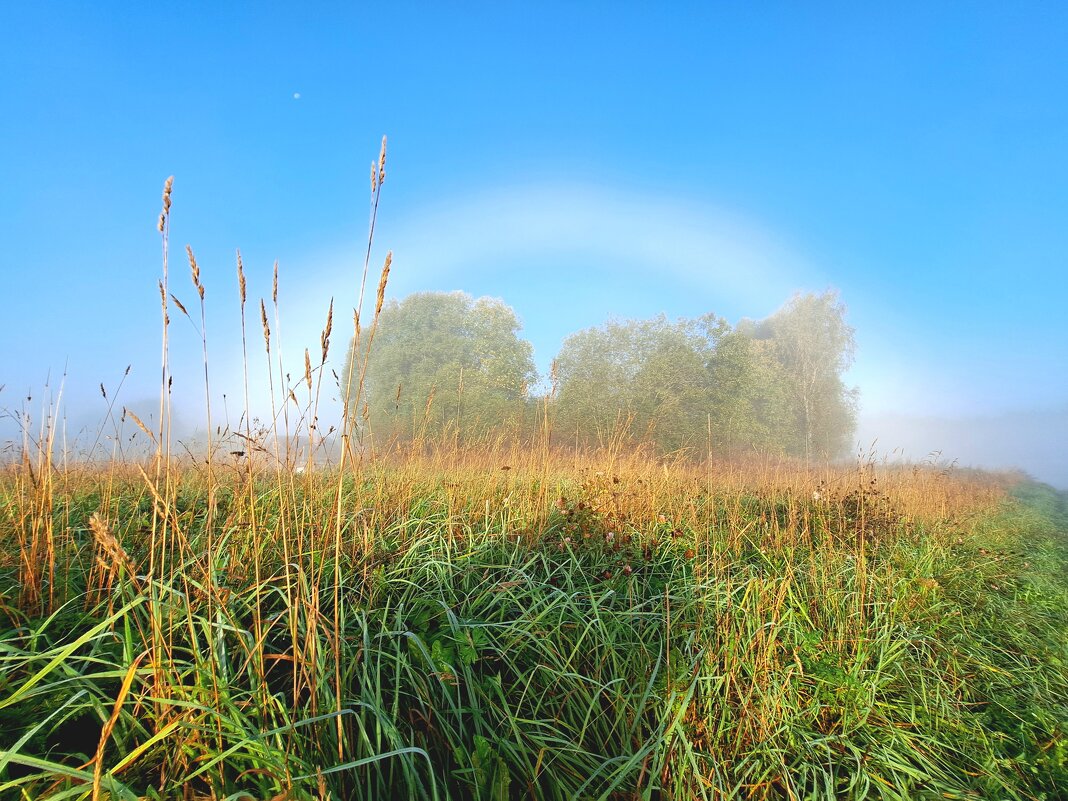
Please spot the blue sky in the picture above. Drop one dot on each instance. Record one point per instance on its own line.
(578, 160)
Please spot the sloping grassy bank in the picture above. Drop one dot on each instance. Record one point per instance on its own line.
(478, 633)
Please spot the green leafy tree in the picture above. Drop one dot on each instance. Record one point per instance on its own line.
(444, 361)
(749, 405)
(771, 385)
(815, 346)
(647, 379)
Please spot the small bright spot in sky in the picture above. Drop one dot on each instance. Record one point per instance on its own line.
(296, 95)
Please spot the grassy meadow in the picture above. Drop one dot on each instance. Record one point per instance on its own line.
(512, 620)
(498, 625)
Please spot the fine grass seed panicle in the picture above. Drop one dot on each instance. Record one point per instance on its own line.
(195, 271)
(165, 212)
(241, 286)
(110, 549)
(383, 279)
(324, 338)
(266, 326)
(382, 164)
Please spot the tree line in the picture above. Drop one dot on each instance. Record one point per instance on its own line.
(446, 363)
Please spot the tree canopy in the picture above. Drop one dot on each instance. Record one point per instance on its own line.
(772, 385)
(445, 362)
(649, 377)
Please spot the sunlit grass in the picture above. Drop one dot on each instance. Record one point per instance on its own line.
(645, 631)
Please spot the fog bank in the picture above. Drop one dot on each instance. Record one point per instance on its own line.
(1032, 440)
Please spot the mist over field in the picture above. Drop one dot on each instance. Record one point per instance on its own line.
(1027, 439)
(1031, 440)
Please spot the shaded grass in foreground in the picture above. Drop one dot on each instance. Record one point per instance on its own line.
(647, 638)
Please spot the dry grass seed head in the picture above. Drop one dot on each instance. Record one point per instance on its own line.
(179, 304)
(106, 542)
(240, 277)
(324, 339)
(165, 213)
(194, 268)
(163, 303)
(382, 284)
(266, 327)
(127, 413)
